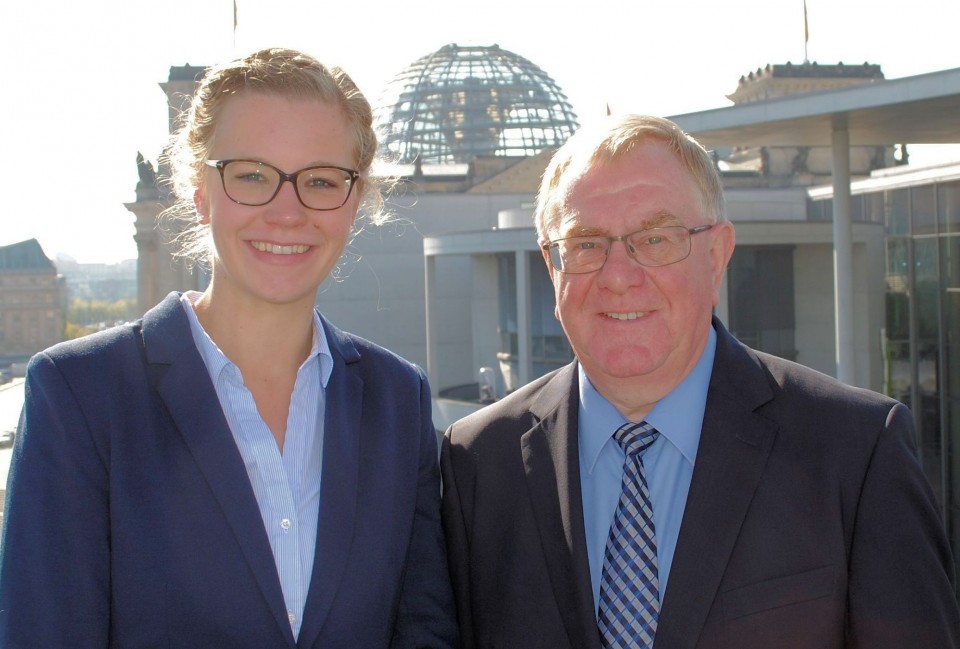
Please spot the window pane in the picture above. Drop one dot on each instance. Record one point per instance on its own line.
(923, 210)
(949, 207)
(760, 280)
(897, 212)
(927, 410)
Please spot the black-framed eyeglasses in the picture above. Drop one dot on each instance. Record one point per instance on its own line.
(651, 247)
(254, 183)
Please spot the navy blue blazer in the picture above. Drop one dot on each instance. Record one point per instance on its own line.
(130, 521)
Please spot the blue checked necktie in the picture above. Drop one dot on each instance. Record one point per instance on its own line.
(629, 597)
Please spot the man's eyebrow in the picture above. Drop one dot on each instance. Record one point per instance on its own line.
(662, 219)
(659, 220)
(584, 231)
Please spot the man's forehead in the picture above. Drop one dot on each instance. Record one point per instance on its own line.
(645, 159)
(616, 185)
(597, 184)
(633, 199)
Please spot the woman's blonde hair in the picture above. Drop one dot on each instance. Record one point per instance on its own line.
(274, 71)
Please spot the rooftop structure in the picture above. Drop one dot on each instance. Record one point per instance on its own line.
(25, 256)
(800, 164)
(782, 79)
(460, 103)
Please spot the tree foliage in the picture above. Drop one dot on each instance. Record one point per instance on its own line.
(87, 316)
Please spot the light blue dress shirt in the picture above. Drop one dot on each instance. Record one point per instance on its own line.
(287, 484)
(668, 463)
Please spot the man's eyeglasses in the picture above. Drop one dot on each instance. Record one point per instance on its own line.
(251, 182)
(650, 247)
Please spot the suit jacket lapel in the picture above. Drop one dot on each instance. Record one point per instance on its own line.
(735, 443)
(338, 491)
(181, 379)
(552, 464)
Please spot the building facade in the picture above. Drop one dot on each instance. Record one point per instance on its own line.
(32, 302)
(159, 269)
(920, 340)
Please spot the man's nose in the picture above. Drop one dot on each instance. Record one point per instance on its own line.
(621, 270)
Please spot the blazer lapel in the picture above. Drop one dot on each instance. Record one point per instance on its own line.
(734, 446)
(338, 491)
(552, 464)
(181, 379)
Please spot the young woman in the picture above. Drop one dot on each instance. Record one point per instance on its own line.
(233, 470)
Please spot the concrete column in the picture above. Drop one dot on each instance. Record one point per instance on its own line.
(843, 253)
(430, 289)
(524, 361)
(722, 309)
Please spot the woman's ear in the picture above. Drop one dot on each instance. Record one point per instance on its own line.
(202, 206)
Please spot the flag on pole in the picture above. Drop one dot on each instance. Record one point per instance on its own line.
(234, 23)
(806, 33)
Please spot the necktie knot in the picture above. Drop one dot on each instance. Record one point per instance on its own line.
(634, 439)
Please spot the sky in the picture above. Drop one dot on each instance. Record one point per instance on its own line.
(80, 94)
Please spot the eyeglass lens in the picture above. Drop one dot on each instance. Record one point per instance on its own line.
(253, 183)
(651, 247)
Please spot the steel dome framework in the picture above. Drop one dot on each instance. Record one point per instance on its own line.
(459, 103)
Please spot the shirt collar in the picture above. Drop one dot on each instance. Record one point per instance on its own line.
(678, 416)
(216, 361)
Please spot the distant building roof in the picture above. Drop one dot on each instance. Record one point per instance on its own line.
(26, 255)
(813, 69)
(186, 72)
(782, 79)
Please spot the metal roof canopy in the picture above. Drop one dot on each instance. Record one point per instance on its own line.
(923, 109)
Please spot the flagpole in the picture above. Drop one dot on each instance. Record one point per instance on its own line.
(806, 32)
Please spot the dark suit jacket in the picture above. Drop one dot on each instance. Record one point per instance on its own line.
(809, 523)
(131, 522)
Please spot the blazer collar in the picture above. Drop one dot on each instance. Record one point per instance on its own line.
(735, 444)
(179, 376)
(552, 465)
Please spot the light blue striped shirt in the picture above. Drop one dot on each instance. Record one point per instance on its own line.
(668, 463)
(287, 484)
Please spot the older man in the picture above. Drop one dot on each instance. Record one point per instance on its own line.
(672, 486)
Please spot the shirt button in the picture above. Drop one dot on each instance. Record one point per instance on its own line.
(291, 617)
(285, 524)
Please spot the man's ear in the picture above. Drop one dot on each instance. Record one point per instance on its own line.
(553, 279)
(546, 260)
(722, 242)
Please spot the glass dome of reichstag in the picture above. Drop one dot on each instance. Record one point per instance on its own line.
(459, 103)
